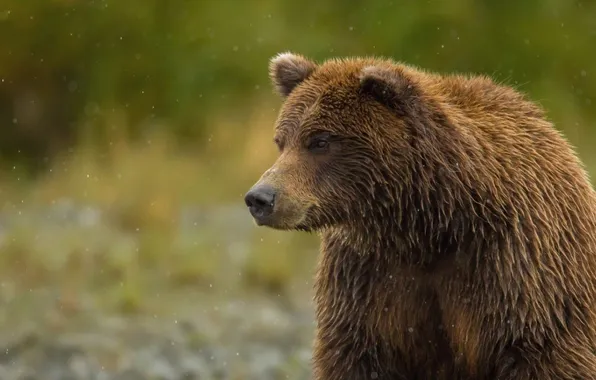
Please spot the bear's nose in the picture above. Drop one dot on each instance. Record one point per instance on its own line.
(260, 201)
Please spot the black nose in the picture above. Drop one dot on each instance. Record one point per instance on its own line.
(260, 200)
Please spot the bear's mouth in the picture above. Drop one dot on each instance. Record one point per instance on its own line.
(283, 213)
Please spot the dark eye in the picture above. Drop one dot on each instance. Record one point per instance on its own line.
(279, 143)
(319, 144)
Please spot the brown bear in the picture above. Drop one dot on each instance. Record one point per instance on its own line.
(458, 226)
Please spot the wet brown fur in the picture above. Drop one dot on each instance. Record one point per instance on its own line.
(458, 227)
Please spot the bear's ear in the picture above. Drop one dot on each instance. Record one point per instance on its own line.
(288, 70)
(390, 87)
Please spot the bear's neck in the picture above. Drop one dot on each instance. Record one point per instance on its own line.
(352, 270)
(378, 246)
(397, 241)
(420, 232)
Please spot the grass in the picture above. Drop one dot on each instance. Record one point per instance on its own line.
(133, 244)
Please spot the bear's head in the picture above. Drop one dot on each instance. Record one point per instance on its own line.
(347, 135)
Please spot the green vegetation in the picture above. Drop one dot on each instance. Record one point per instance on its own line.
(144, 107)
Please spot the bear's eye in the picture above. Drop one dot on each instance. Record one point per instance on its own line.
(319, 144)
(280, 145)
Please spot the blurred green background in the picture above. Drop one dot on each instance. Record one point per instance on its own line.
(130, 131)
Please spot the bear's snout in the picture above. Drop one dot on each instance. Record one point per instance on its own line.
(260, 201)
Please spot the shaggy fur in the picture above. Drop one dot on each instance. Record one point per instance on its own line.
(458, 227)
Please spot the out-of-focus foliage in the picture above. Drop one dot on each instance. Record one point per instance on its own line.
(68, 66)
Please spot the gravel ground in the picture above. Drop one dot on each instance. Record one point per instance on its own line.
(192, 335)
(243, 339)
